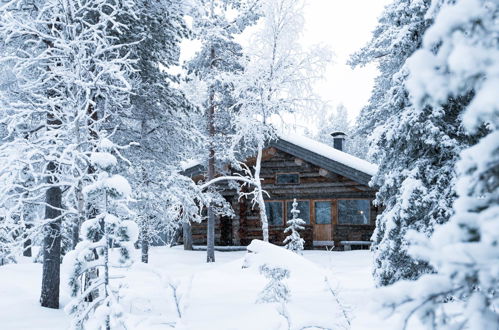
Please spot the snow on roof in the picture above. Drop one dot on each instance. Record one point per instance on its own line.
(187, 164)
(331, 153)
(318, 148)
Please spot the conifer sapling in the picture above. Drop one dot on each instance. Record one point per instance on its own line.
(95, 296)
(275, 290)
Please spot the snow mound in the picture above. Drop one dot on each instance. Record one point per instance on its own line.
(261, 253)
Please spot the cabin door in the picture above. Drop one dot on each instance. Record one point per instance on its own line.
(323, 219)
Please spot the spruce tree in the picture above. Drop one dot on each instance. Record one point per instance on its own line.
(161, 121)
(416, 147)
(459, 59)
(293, 241)
(94, 291)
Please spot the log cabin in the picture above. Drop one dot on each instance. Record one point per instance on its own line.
(331, 187)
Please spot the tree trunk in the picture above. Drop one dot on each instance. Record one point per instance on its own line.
(210, 246)
(144, 246)
(27, 248)
(210, 237)
(80, 217)
(187, 235)
(260, 200)
(52, 244)
(27, 244)
(106, 276)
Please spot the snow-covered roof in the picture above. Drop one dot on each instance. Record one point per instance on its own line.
(314, 152)
(190, 163)
(331, 153)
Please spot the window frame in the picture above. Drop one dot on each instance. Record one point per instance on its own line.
(283, 210)
(353, 224)
(287, 184)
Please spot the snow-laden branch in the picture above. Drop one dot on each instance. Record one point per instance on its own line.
(205, 185)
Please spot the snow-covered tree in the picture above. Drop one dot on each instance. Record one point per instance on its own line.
(70, 76)
(275, 291)
(214, 65)
(96, 296)
(160, 120)
(293, 241)
(459, 59)
(416, 147)
(355, 142)
(274, 76)
(278, 78)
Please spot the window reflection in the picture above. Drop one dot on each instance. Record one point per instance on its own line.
(353, 211)
(322, 213)
(274, 213)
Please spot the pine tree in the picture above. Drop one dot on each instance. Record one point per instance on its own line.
(96, 297)
(293, 241)
(416, 147)
(160, 120)
(219, 59)
(459, 59)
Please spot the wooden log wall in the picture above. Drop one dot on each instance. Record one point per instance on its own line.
(314, 184)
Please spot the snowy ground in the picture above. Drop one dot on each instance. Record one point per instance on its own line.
(212, 296)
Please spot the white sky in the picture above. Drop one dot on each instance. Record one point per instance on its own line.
(344, 25)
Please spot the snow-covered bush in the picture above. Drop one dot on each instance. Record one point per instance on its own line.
(293, 241)
(275, 290)
(95, 296)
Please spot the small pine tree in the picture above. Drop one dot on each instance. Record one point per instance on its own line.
(275, 290)
(294, 242)
(91, 261)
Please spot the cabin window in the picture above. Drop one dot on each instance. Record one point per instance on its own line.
(274, 211)
(353, 211)
(322, 212)
(303, 207)
(288, 178)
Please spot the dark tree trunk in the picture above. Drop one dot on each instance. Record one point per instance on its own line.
(75, 234)
(145, 251)
(27, 245)
(210, 237)
(27, 248)
(145, 246)
(52, 245)
(187, 235)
